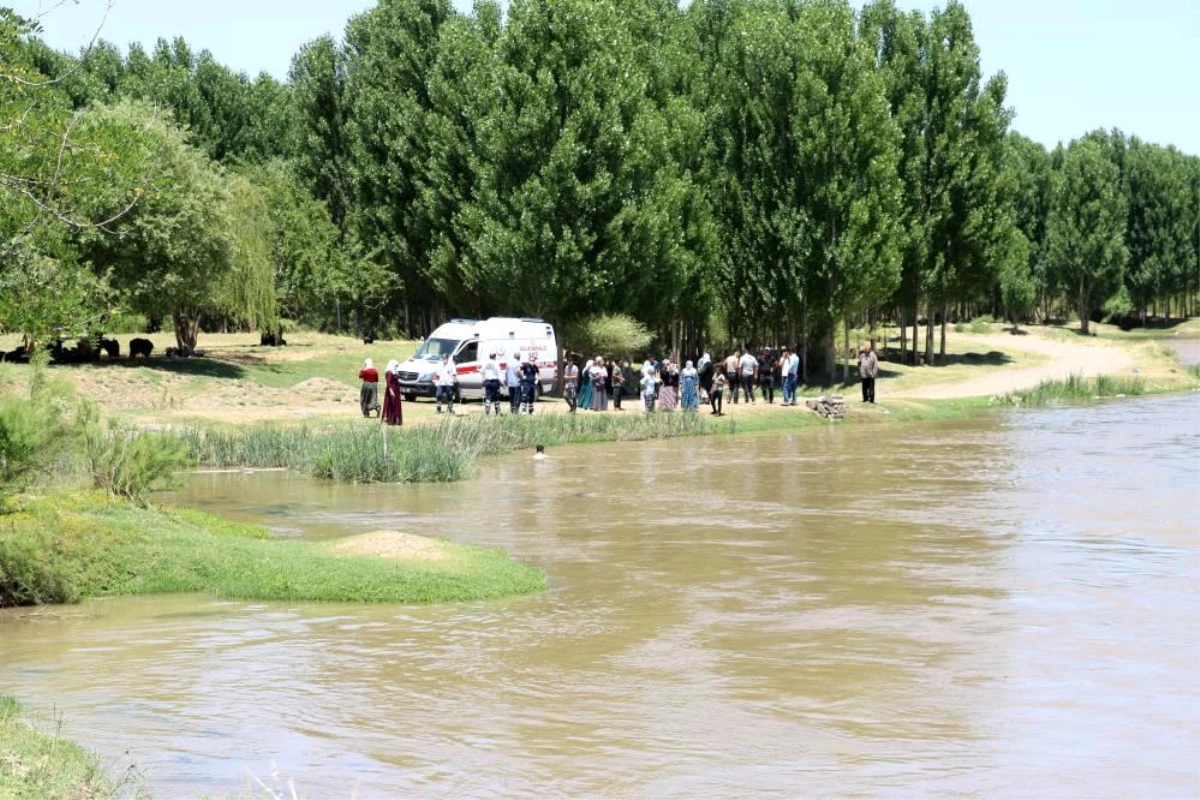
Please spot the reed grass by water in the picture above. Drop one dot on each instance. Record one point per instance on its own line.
(36, 761)
(447, 451)
(1077, 389)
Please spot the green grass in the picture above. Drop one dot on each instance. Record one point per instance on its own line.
(447, 451)
(37, 763)
(65, 548)
(1076, 389)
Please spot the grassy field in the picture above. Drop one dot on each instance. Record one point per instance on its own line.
(67, 547)
(313, 381)
(38, 763)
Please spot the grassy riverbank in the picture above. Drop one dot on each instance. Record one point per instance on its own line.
(64, 548)
(38, 763)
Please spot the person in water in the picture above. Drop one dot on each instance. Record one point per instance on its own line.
(368, 395)
(392, 413)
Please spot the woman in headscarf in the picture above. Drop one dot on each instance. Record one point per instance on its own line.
(368, 395)
(668, 395)
(690, 379)
(705, 367)
(599, 386)
(392, 413)
(585, 386)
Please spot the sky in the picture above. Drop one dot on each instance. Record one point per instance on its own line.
(1072, 65)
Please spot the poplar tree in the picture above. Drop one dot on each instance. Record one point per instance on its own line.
(1086, 227)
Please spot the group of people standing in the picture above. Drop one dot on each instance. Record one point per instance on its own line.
(661, 385)
(390, 412)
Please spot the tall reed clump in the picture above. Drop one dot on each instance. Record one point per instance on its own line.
(448, 451)
(1076, 388)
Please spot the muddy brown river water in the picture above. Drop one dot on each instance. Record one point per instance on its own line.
(1008, 606)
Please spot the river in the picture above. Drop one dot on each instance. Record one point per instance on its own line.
(1005, 606)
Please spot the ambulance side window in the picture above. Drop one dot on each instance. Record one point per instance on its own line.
(469, 353)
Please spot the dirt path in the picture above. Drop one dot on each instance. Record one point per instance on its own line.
(1067, 358)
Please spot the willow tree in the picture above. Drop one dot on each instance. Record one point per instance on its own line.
(180, 253)
(1086, 227)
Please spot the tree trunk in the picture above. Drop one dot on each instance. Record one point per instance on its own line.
(903, 334)
(929, 335)
(846, 370)
(187, 330)
(942, 349)
(1083, 312)
(916, 324)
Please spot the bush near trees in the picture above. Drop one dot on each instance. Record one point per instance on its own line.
(792, 170)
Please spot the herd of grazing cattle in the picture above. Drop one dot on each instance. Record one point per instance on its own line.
(85, 351)
(90, 349)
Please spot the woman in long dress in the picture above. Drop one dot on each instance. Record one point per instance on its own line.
(691, 391)
(392, 413)
(585, 387)
(668, 395)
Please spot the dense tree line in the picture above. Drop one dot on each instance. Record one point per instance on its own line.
(737, 170)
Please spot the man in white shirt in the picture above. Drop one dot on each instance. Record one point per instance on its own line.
(446, 377)
(791, 377)
(512, 380)
(748, 367)
(491, 385)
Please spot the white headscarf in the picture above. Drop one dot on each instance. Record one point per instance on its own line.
(589, 364)
(705, 360)
(393, 366)
(689, 370)
(368, 364)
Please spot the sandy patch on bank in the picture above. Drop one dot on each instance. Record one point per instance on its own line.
(394, 544)
(1087, 357)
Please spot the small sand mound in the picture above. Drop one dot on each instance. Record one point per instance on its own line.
(394, 544)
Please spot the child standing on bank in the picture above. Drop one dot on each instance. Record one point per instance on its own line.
(718, 393)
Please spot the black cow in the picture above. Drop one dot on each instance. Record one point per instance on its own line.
(110, 346)
(271, 339)
(369, 337)
(140, 347)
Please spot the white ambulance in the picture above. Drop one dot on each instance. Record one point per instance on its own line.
(469, 342)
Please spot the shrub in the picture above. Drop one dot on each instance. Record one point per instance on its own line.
(609, 335)
(28, 577)
(126, 463)
(34, 431)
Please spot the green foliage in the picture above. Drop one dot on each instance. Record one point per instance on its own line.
(616, 335)
(423, 453)
(34, 430)
(127, 463)
(1086, 227)
(38, 763)
(102, 548)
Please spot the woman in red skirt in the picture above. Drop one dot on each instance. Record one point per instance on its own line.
(392, 413)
